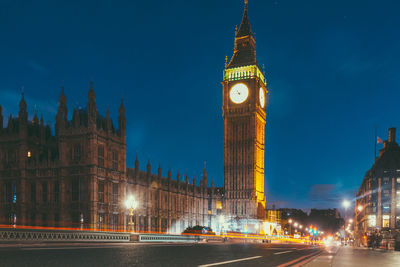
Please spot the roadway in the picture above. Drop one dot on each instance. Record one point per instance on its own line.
(160, 254)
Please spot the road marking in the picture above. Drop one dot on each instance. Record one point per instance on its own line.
(297, 260)
(282, 252)
(226, 262)
(62, 248)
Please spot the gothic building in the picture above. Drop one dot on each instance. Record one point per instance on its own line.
(78, 176)
(244, 113)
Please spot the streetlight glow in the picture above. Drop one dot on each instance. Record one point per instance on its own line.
(346, 204)
(130, 204)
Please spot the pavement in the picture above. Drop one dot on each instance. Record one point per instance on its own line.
(160, 254)
(348, 256)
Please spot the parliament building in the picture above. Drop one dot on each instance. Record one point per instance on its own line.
(76, 175)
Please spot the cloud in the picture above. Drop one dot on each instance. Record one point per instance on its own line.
(328, 195)
(37, 67)
(355, 66)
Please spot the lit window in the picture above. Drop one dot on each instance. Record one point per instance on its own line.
(385, 220)
(371, 220)
(29, 154)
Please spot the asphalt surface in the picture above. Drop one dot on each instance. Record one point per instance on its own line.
(138, 254)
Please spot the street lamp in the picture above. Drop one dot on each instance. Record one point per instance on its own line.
(221, 220)
(360, 208)
(131, 204)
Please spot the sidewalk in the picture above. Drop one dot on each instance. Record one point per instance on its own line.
(355, 257)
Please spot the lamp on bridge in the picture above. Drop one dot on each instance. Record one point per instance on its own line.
(131, 204)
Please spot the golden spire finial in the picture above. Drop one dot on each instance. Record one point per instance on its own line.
(245, 2)
(226, 61)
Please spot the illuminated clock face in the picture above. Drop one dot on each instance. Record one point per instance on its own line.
(239, 93)
(262, 98)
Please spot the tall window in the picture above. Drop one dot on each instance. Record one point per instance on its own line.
(77, 152)
(101, 192)
(44, 192)
(81, 189)
(115, 193)
(115, 221)
(114, 160)
(56, 191)
(33, 192)
(75, 189)
(101, 156)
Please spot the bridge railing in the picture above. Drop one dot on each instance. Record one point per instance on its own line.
(39, 235)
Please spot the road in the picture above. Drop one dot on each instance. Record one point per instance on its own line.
(138, 254)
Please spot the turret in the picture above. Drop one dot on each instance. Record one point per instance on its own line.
(1, 118)
(92, 108)
(10, 125)
(62, 112)
(159, 172)
(169, 178)
(178, 180)
(108, 120)
(122, 121)
(35, 119)
(76, 120)
(148, 173)
(42, 129)
(23, 114)
(392, 135)
(205, 177)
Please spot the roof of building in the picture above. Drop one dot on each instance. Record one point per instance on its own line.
(245, 52)
(389, 158)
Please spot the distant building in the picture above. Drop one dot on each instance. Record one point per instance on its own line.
(78, 177)
(274, 216)
(377, 205)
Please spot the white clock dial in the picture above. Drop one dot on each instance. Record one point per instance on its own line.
(262, 97)
(239, 93)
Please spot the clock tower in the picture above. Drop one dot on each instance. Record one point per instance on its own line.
(244, 113)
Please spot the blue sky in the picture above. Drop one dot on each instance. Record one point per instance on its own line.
(332, 69)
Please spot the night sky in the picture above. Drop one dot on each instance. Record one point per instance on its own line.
(332, 69)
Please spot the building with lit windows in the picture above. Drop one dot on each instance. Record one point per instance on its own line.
(377, 205)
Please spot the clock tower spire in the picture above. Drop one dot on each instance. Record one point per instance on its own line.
(244, 95)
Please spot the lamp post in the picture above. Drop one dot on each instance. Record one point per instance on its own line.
(290, 226)
(221, 221)
(346, 205)
(131, 204)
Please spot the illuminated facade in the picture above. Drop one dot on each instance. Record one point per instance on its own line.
(377, 205)
(244, 113)
(78, 177)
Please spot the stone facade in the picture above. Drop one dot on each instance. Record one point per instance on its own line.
(78, 177)
(377, 204)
